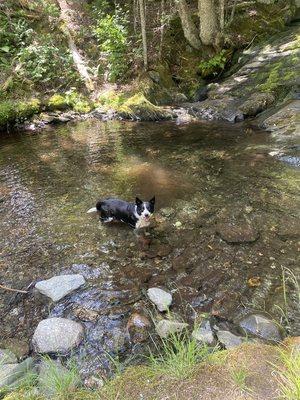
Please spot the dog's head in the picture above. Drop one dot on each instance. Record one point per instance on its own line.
(144, 209)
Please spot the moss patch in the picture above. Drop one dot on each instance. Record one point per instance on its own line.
(14, 112)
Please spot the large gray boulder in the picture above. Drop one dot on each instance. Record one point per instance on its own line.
(57, 335)
(260, 326)
(59, 286)
(160, 298)
(12, 374)
(164, 328)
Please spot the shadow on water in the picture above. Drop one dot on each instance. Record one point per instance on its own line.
(205, 176)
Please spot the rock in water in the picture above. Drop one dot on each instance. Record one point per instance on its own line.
(59, 286)
(228, 339)
(203, 333)
(239, 232)
(57, 335)
(12, 374)
(260, 326)
(164, 328)
(160, 298)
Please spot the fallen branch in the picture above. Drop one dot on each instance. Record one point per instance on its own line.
(12, 290)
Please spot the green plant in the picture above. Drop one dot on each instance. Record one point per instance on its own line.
(215, 65)
(112, 35)
(77, 101)
(239, 376)
(177, 356)
(58, 382)
(289, 375)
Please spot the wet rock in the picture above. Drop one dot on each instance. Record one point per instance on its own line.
(94, 382)
(60, 286)
(165, 327)
(160, 298)
(228, 339)
(12, 374)
(57, 335)
(257, 103)
(289, 230)
(7, 357)
(85, 314)
(19, 347)
(233, 232)
(138, 327)
(260, 326)
(204, 333)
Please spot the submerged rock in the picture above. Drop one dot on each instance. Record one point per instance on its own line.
(59, 286)
(12, 374)
(204, 333)
(228, 339)
(160, 298)
(240, 232)
(260, 326)
(165, 327)
(57, 335)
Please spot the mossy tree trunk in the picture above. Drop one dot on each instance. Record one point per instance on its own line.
(144, 34)
(209, 21)
(189, 28)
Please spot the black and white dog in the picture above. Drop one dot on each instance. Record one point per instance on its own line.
(137, 214)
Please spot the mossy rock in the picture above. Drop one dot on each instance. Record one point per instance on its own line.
(57, 102)
(138, 107)
(13, 112)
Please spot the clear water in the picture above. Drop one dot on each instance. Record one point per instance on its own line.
(202, 174)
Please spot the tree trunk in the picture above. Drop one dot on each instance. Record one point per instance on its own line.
(189, 29)
(144, 34)
(209, 22)
(78, 59)
(222, 15)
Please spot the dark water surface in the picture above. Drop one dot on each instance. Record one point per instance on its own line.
(203, 175)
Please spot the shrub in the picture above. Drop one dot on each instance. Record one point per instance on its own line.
(215, 65)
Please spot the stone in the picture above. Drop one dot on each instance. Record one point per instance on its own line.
(94, 382)
(12, 374)
(289, 230)
(160, 298)
(60, 286)
(85, 314)
(203, 333)
(240, 232)
(19, 347)
(165, 327)
(57, 335)
(7, 357)
(260, 326)
(138, 328)
(228, 339)
(256, 103)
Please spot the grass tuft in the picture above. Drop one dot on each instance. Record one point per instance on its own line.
(289, 375)
(178, 356)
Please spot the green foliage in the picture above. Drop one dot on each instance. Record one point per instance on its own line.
(177, 356)
(289, 375)
(215, 65)
(112, 35)
(12, 112)
(239, 376)
(57, 102)
(77, 101)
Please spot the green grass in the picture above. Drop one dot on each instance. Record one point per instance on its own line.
(58, 382)
(289, 375)
(177, 356)
(239, 376)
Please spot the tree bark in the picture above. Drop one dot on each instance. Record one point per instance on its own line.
(144, 33)
(78, 59)
(222, 15)
(209, 22)
(189, 29)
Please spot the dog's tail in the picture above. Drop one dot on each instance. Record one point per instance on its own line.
(92, 210)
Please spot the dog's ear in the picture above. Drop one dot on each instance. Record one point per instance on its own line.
(152, 201)
(138, 201)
